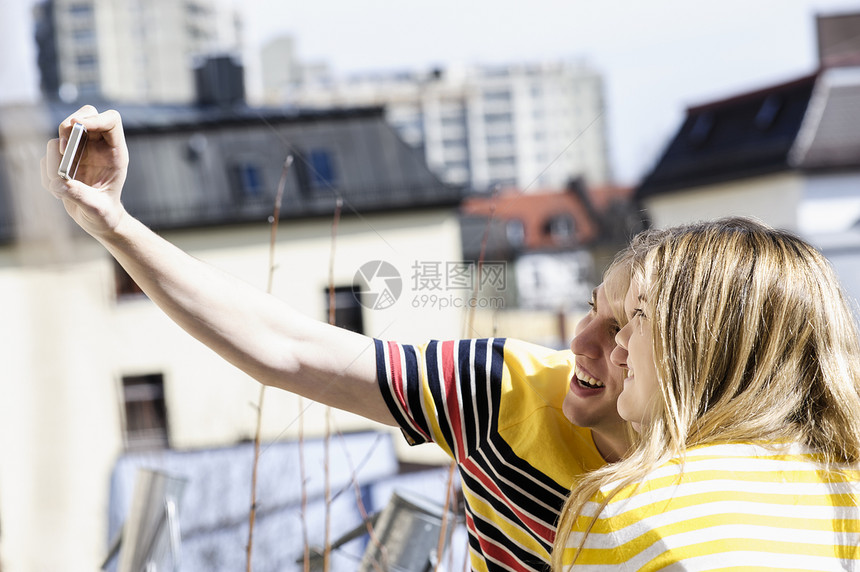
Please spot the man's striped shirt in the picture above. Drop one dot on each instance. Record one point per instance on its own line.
(494, 406)
(735, 506)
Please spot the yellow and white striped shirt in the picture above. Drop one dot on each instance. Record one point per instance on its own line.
(737, 506)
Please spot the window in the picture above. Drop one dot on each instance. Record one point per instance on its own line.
(195, 9)
(495, 118)
(504, 161)
(195, 32)
(501, 96)
(701, 129)
(145, 412)
(84, 36)
(126, 287)
(503, 182)
(315, 171)
(768, 111)
(500, 139)
(515, 232)
(454, 119)
(322, 169)
(560, 228)
(85, 60)
(81, 10)
(248, 180)
(347, 309)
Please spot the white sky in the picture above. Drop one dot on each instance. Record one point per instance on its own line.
(657, 56)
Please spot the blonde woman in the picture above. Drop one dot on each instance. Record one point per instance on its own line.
(744, 382)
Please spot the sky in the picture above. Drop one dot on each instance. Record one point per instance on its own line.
(657, 57)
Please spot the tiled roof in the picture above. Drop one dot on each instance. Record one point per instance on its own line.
(536, 211)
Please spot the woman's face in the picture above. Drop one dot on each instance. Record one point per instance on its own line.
(635, 351)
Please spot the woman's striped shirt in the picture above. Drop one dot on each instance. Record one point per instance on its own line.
(736, 506)
(494, 405)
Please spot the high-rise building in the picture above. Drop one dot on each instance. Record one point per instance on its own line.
(524, 126)
(130, 50)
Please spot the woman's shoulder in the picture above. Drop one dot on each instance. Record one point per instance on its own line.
(730, 463)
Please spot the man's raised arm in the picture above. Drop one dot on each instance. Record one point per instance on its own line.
(251, 329)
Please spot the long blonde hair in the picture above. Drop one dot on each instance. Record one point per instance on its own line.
(753, 341)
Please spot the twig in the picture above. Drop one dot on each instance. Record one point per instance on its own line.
(252, 516)
(302, 476)
(443, 531)
(332, 300)
(362, 510)
(455, 510)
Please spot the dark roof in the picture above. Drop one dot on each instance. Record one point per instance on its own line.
(141, 118)
(743, 136)
(194, 166)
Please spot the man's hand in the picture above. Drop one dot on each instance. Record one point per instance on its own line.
(93, 200)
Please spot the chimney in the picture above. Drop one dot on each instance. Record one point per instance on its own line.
(220, 81)
(838, 40)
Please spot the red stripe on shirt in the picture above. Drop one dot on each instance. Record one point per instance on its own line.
(396, 373)
(497, 554)
(394, 360)
(452, 396)
(547, 533)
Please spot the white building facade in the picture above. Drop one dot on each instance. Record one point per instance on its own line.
(523, 126)
(131, 50)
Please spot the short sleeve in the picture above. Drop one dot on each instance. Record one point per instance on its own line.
(443, 391)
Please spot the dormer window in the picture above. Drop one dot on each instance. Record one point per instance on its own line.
(701, 129)
(515, 232)
(768, 111)
(560, 228)
(247, 180)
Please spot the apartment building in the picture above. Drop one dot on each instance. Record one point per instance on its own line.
(140, 51)
(527, 126)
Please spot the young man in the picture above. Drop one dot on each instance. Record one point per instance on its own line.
(521, 421)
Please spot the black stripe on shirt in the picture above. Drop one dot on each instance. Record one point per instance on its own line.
(387, 390)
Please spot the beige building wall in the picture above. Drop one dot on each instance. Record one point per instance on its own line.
(58, 416)
(214, 398)
(773, 199)
(67, 343)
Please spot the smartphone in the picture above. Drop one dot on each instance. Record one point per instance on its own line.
(74, 152)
